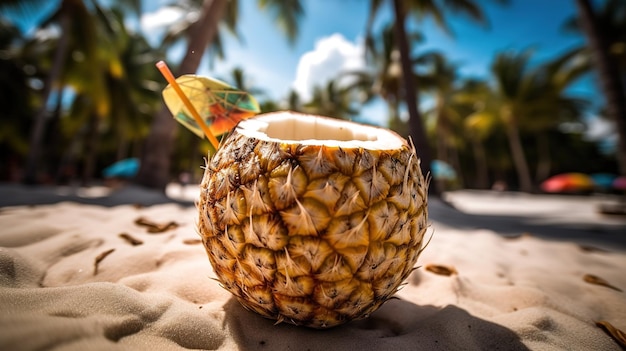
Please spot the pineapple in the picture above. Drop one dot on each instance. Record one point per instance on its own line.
(311, 220)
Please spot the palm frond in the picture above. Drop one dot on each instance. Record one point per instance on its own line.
(286, 14)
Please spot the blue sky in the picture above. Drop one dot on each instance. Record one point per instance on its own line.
(272, 63)
(331, 28)
(331, 33)
(521, 24)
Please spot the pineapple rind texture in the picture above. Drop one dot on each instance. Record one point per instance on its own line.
(309, 234)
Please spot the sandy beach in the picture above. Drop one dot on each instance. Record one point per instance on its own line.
(102, 269)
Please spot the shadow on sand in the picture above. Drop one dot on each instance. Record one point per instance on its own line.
(129, 194)
(602, 235)
(397, 325)
(606, 236)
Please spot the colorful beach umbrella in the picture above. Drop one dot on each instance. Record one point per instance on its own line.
(442, 170)
(619, 183)
(603, 180)
(126, 168)
(568, 182)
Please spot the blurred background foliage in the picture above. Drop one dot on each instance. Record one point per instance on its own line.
(81, 92)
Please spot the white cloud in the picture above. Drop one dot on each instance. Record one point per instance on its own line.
(162, 17)
(331, 56)
(166, 18)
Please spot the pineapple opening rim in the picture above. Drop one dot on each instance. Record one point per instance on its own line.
(306, 129)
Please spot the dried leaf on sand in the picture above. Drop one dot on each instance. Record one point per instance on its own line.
(440, 269)
(589, 248)
(593, 279)
(130, 239)
(154, 227)
(617, 335)
(192, 241)
(99, 258)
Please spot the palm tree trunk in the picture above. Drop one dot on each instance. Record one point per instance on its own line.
(66, 173)
(482, 174)
(441, 131)
(544, 161)
(122, 148)
(416, 125)
(609, 76)
(194, 162)
(90, 149)
(39, 126)
(155, 160)
(395, 123)
(55, 138)
(455, 161)
(519, 158)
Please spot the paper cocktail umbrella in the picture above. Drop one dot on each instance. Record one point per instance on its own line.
(204, 105)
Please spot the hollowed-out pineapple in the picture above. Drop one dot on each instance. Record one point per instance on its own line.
(311, 220)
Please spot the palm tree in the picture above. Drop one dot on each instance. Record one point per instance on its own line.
(155, 160)
(382, 77)
(332, 100)
(440, 79)
(416, 126)
(479, 123)
(115, 86)
(387, 75)
(16, 99)
(600, 29)
(421, 9)
(71, 17)
(294, 101)
(533, 100)
(134, 85)
(516, 89)
(63, 16)
(241, 81)
(182, 29)
(555, 107)
(479, 126)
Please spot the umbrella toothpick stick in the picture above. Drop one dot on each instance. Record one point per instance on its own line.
(165, 71)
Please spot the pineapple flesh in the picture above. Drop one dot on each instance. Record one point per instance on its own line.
(311, 220)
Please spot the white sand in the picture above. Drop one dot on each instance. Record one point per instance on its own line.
(508, 293)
